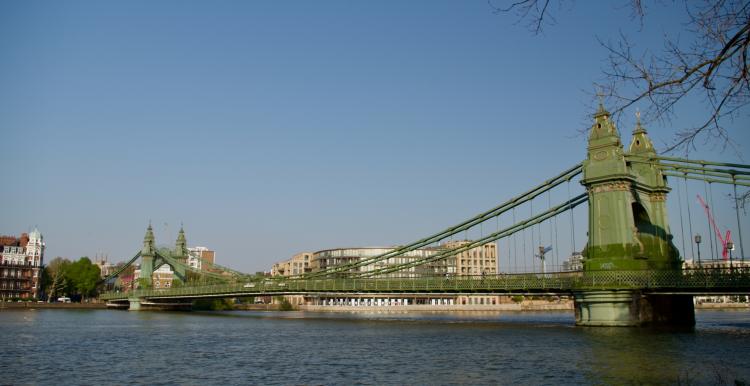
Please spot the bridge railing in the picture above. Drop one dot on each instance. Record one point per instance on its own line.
(561, 282)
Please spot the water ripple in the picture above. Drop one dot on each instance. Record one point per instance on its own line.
(71, 347)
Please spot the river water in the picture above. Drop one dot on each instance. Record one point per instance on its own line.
(76, 347)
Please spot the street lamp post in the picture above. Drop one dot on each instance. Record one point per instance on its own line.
(541, 256)
(698, 244)
(730, 248)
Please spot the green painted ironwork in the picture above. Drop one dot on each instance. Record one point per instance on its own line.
(629, 247)
(702, 162)
(687, 281)
(723, 173)
(628, 224)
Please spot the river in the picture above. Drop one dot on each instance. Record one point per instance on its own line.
(75, 347)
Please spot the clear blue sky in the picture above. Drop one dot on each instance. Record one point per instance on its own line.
(270, 128)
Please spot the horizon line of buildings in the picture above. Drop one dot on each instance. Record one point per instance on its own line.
(478, 260)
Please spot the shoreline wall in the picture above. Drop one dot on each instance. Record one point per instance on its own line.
(67, 306)
(530, 306)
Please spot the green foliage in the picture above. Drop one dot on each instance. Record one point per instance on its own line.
(84, 276)
(517, 298)
(142, 283)
(54, 278)
(61, 277)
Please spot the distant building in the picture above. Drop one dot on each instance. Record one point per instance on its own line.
(474, 261)
(716, 264)
(299, 264)
(574, 262)
(162, 277)
(105, 267)
(197, 256)
(21, 262)
(330, 258)
(127, 282)
(721, 265)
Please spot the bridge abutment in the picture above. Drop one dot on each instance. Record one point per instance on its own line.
(138, 304)
(135, 304)
(627, 308)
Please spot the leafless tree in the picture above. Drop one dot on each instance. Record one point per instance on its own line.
(713, 66)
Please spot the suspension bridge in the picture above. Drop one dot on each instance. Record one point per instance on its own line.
(632, 273)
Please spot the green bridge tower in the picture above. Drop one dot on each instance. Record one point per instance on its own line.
(628, 228)
(152, 259)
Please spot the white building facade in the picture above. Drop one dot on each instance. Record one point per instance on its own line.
(21, 261)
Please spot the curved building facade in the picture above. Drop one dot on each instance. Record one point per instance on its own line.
(329, 258)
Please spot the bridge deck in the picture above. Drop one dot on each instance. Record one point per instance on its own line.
(699, 281)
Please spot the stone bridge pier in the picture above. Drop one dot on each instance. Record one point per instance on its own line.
(142, 304)
(632, 308)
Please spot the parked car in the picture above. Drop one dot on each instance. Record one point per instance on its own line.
(63, 299)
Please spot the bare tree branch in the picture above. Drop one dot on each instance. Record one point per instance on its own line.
(714, 67)
(533, 10)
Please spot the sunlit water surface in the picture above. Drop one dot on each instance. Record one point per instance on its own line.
(51, 347)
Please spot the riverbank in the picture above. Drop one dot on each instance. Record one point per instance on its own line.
(722, 306)
(64, 306)
(523, 306)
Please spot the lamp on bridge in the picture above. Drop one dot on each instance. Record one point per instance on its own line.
(698, 244)
(730, 248)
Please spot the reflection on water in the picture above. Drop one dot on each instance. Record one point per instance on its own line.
(117, 347)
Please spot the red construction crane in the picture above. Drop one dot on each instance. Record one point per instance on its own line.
(724, 240)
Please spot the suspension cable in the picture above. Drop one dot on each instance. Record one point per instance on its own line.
(739, 227)
(557, 244)
(572, 225)
(682, 223)
(690, 219)
(530, 222)
(531, 214)
(518, 200)
(715, 214)
(711, 233)
(515, 245)
(121, 269)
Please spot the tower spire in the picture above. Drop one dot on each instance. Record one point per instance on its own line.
(148, 241)
(640, 143)
(181, 244)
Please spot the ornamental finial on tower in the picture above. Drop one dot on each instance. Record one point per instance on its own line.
(640, 143)
(601, 111)
(638, 127)
(149, 232)
(603, 128)
(181, 235)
